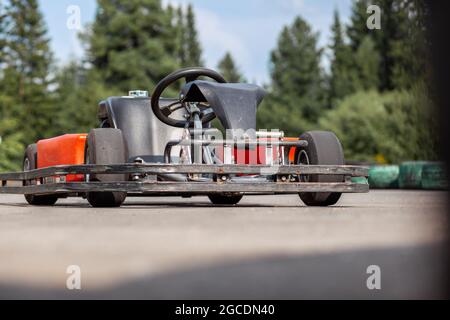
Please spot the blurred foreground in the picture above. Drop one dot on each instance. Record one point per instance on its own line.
(267, 247)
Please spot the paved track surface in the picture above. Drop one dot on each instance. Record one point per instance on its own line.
(266, 247)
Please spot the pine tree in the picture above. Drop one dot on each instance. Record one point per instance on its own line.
(180, 35)
(357, 29)
(367, 61)
(391, 58)
(28, 62)
(193, 49)
(79, 90)
(229, 70)
(343, 75)
(11, 137)
(2, 35)
(131, 44)
(171, 29)
(390, 26)
(297, 94)
(409, 49)
(188, 49)
(400, 43)
(25, 61)
(297, 78)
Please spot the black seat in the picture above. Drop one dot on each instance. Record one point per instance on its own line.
(144, 134)
(233, 103)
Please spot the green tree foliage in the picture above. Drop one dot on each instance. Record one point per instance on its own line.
(180, 36)
(130, 43)
(28, 67)
(3, 27)
(400, 42)
(358, 32)
(357, 121)
(409, 48)
(78, 94)
(355, 65)
(397, 124)
(193, 49)
(394, 126)
(26, 109)
(367, 61)
(229, 70)
(376, 88)
(188, 48)
(297, 77)
(357, 29)
(343, 78)
(297, 95)
(10, 139)
(11, 135)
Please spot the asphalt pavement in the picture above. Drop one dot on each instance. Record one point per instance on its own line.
(265, 247)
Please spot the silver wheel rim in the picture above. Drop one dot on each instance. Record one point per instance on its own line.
(303, 159)
(26, 164)
(87, 176)
(27, 167)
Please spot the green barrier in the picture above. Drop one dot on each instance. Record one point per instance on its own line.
(434, 176)
(426, 175)
(359, 180)
(383, 177)
(411, 174)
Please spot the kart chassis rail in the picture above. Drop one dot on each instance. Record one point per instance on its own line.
(282, 179)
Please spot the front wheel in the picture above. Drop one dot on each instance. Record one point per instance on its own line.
(105, 146)
(30, 163)
(324, 148)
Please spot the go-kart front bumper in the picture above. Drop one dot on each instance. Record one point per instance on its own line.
(283, 179)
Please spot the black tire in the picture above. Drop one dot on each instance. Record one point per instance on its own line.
(30, 163)
(106, 146)
(324, 148)
(225, 199)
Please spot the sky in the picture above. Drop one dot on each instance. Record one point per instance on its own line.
(247, 28)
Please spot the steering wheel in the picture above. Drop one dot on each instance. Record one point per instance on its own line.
(163, 111)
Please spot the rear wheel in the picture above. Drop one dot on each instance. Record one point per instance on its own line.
(225, 199)
(323, 148)
(105, 146)
(30, 163)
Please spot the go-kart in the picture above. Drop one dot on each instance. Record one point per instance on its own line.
(155, 146)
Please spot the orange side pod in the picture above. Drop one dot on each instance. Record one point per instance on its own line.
(63, 150)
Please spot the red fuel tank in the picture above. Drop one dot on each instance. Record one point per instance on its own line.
(63, 150)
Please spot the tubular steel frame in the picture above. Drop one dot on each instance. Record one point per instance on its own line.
(52, 180)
